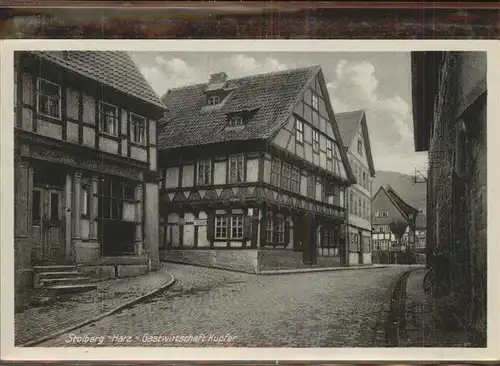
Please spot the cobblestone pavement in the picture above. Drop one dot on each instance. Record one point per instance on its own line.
(41, 321)
(227, 309)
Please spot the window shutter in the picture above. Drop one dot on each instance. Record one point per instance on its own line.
(211, 227)
(287, 233)
(247, 228)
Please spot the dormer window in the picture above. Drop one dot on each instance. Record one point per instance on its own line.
(213, 100)
(235, 121)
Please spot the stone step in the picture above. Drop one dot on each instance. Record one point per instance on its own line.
(54, 268)
(63, 289)
(50, 282)
(44, 275)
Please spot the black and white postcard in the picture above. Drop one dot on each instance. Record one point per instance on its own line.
(258, 200)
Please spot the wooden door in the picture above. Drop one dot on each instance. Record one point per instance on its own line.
(48, 224)
(309, 253)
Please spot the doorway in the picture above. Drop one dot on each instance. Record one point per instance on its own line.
(47, 213)
(47, 224)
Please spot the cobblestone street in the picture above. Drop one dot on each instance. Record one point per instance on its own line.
(211, 307)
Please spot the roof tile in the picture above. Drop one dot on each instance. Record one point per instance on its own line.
(271, 96)
(113, 68)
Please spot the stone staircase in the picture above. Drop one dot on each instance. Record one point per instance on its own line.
(61, 279)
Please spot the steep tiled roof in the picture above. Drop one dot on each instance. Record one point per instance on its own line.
(113, 68)
(400, 203)
(270, 96)
(348, 123)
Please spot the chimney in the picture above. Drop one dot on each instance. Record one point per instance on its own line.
(219, 78)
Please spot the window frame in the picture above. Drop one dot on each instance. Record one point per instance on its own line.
(286, 176)
(315, 141)
(213, 100)
(224, 226)
(315, 101)
(295, 183)
(237, 221)
(299, 131)
(279, 230)
(39, 94)
(136, 125)
(232, 119)
(208, 166)
(85, 200)
(238, 158)
(115, 200)
(329, 149)
(276, 172)
(311, 186)
(360, 147)
(101, 120)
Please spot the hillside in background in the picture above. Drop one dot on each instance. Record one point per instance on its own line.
(413, 193)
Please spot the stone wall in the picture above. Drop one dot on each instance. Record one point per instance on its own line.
(456, 206)
(247, 260)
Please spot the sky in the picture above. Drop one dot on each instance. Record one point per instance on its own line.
(378, 82)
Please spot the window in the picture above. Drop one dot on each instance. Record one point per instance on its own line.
(351, 203)
(235, 121)
(315, 141)
(204, 172)
(275, 230)
(364, 210)
(269, 228)
(381, 213)
(113, 194)
(286, 176)
(236, 168)
(311, 186)
(360, 147)
(376, 245)
(237, 227)
(221, 226)
(364, 181)
(36, 207)
(84, 205)
(329, 150)
(49, 98)
(213, 100)
(299, 131)
(108, 115)
(315, 101)
(295, 180)
(54, 206)
(137, 128)
(280, 230)
(275, 172)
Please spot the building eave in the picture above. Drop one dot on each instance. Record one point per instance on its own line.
(424, 79)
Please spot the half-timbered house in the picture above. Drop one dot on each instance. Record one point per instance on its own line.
(254, 173)
(388, 209)
(354, 131)
(85, 166)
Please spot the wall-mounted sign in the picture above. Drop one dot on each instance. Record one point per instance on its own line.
(200, 222)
